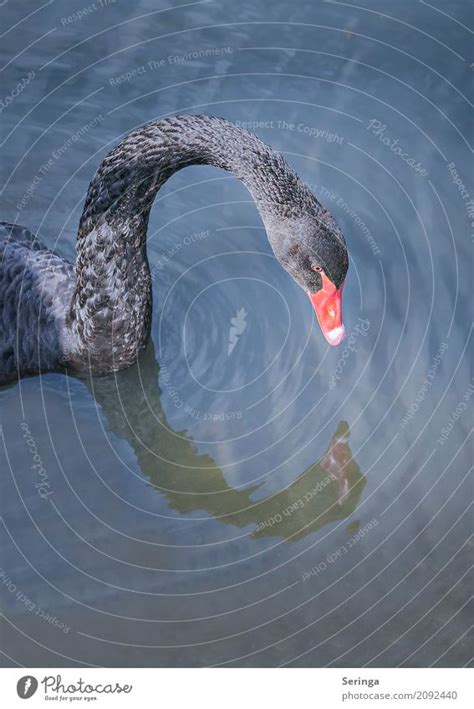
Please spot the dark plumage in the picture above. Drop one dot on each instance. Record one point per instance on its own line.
(96, 316)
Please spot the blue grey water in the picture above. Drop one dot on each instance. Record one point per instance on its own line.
(246, 495)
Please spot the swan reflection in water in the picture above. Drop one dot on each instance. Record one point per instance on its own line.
(327, 491)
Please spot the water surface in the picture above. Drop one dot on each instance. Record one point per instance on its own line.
(246, 495)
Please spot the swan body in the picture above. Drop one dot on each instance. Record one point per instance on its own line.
(95, 316)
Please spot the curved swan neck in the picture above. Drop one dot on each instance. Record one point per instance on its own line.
(132, 173)
(112, 299)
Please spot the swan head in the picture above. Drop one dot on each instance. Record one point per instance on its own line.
(313, 251)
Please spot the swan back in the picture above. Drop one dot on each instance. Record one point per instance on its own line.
(35, 287)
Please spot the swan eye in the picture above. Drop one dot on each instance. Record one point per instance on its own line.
(316, 267)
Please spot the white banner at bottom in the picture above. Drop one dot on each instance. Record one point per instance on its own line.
(237, 688)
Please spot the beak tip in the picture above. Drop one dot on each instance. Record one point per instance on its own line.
(335, 337)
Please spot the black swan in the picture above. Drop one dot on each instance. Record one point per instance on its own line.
(95, 316)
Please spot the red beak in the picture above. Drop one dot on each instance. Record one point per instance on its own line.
(327, 304)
